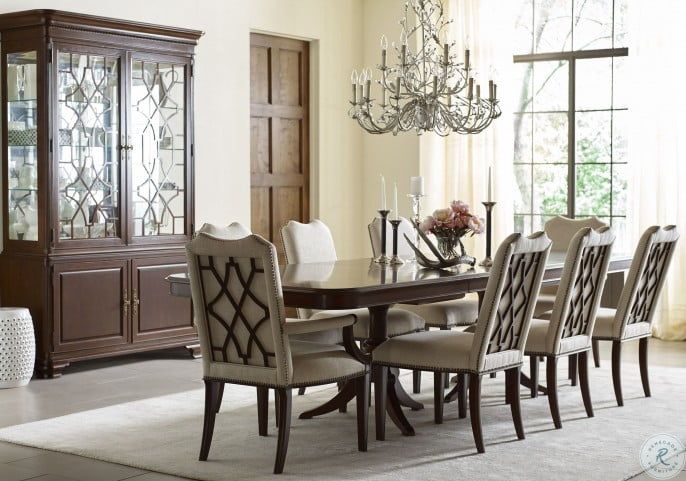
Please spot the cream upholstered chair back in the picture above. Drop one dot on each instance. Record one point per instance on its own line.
(580, 289)
(308, 243)
(561, 229)
(646, 277)
(511, 292)
(405, 227)
(239, 309)
(235, 230)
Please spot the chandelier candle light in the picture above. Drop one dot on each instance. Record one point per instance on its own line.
(429, 90)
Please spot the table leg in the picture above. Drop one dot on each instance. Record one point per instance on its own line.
(344, 396)
(525, 381)
(403, 397)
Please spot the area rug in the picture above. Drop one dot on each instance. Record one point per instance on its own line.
(163, 434)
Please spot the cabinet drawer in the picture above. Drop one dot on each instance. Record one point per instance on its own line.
(157, 314)
(90, 304)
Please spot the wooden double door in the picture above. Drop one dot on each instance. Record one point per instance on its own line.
(117, 302)
(279, 134)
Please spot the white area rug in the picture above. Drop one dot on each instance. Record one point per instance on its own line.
(163, 434)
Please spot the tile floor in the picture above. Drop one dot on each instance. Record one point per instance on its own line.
(95, 384)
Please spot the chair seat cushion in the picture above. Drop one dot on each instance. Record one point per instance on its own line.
(442, 350)
(322, 363)
(400, 322)
(536, 343)
(605, 329)
(544, 303)
(447, 314)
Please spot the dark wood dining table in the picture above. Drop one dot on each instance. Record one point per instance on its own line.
(362, 283)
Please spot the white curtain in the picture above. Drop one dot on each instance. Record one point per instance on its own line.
(456, 166)
(657, 142)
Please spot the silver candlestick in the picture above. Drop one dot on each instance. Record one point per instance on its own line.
(383, 258)
(416, 200)
(488, 262)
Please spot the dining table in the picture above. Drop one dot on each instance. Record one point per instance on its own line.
(363, 283)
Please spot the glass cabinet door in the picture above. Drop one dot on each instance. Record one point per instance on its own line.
(22, 145)
(158, 157)
(89, 178)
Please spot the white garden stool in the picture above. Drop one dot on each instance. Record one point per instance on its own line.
(17, 347)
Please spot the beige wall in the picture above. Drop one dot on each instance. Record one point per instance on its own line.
(223, 102)
(396, 157)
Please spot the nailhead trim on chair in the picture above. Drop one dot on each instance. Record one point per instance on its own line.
(286, 386)
(442, 369)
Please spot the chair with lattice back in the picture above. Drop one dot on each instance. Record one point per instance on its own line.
(567, 329)
(497, 343)
(637, 304)
(245, 337)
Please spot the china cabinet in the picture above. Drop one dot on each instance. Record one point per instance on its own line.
(97, 181)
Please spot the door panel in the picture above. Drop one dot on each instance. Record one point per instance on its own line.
(155, 313)
(279, 71)
(90, 302)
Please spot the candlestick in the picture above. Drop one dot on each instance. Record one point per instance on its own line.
(416, 199)
(466, 60)
(488, 262)
(395, 260)
(470, 91)
(383, 193)
(395, 199)
(397, 87)
(446, 53)
(384, 46)
(383, 258)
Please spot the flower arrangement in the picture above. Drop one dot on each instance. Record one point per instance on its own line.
(449, 225)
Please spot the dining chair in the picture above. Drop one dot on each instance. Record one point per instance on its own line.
(442, 315)
(567, 329)
(635, 311)
(313, 243)
(246, 339)
(497, 344)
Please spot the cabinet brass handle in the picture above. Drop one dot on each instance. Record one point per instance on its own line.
(126, 303)
(136, 302)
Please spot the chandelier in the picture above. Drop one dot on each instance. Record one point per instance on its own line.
(428, 90)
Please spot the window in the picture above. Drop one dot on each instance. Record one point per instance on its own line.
(570, 145)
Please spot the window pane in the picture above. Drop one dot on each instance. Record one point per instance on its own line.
(619, 136)
(592, 189)
(550, 189)
(620, 93)
(619, 188)
(550, 138)
(592, 24)
(522, 136)
(524, 35)
(594, 84)
(623, 243)
(621, 34)
(522, 194)
(522, 224)
(593, 137)
(553, 19)
(523, 80)
(551, 81)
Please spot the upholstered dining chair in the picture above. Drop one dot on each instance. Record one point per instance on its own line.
(497, 344)
(442, 315)
(313, 242)
(567, 330)
(635, 311)
(246, 339)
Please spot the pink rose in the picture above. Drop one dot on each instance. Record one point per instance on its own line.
(476, 224)
(442, 216)
(427, 224)
(459, 207)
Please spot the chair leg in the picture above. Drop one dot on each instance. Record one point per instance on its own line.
(362, 401)
(446, 384)
(533, 374)
(380, 392)
(220, 396)
(439, 382)
(475, 410)
(583, 380)
(617, 371)
(262, 409)
(416, 382)
(285, 404)
(462, 395)
(512, 380)
(551, 381)
(344, 407)
(596, 352)
(643, 362)
(276, 409)
(301, 391)
(572, 360)
(211, 390)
